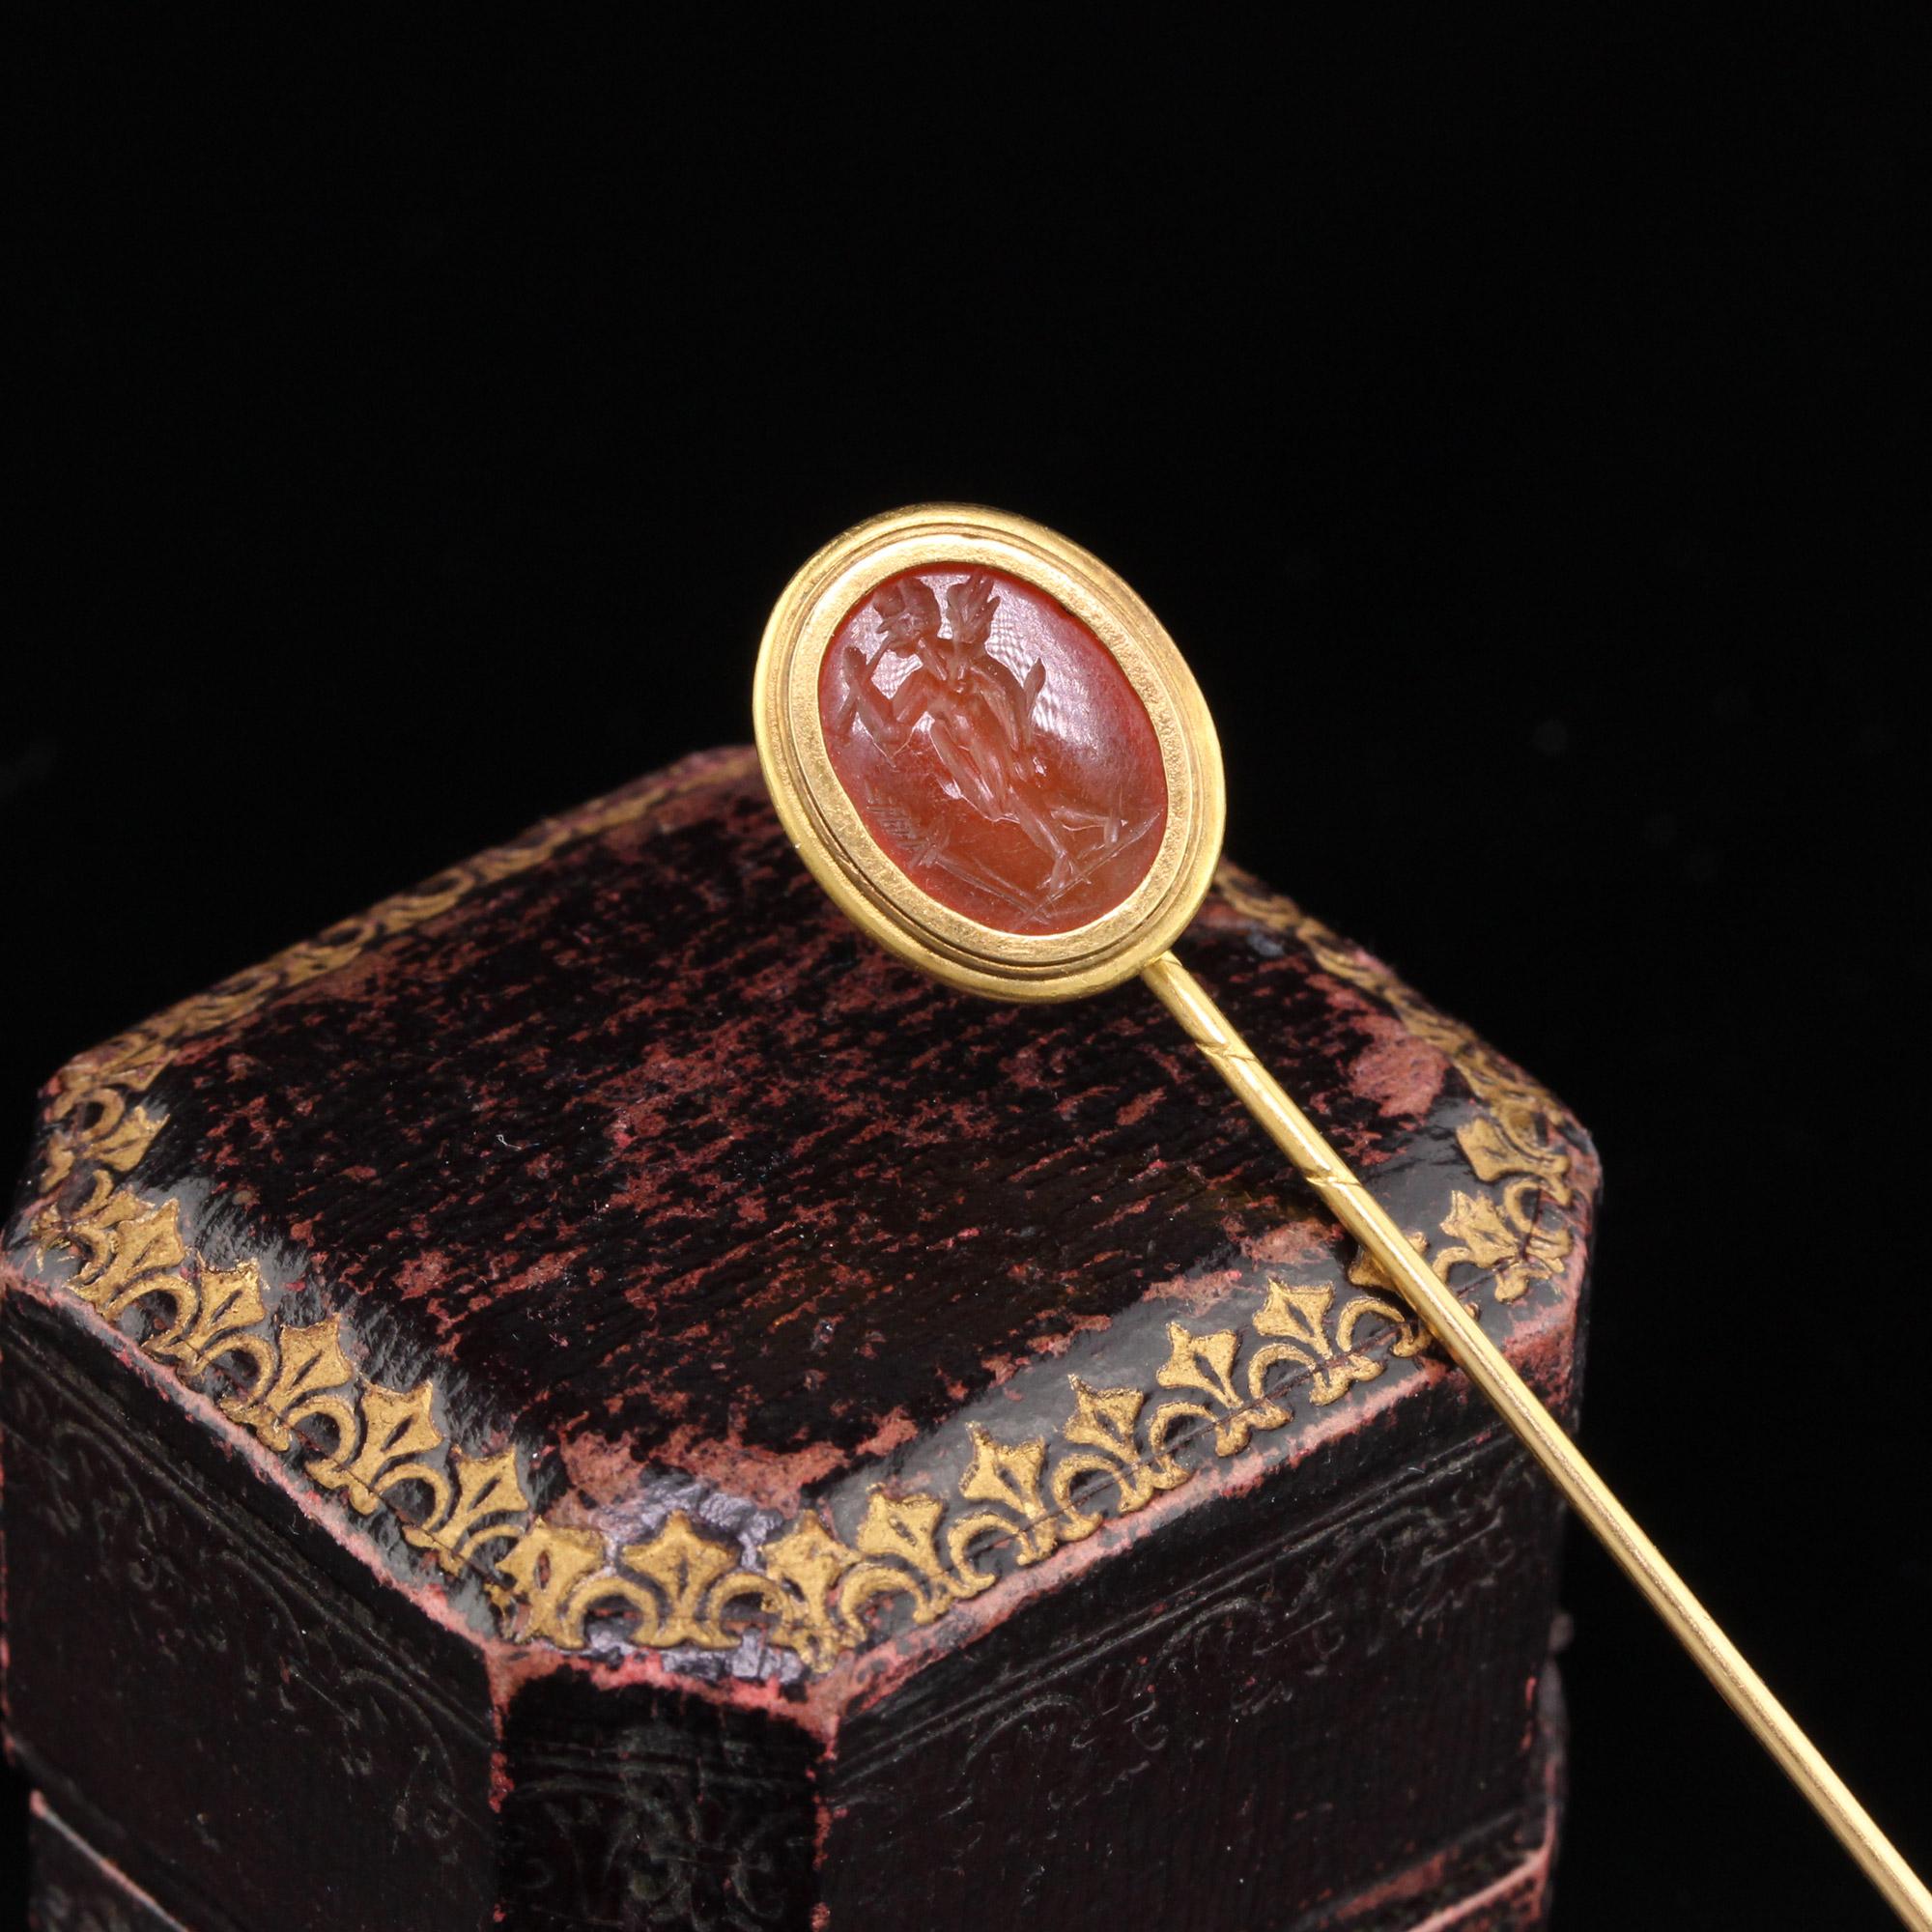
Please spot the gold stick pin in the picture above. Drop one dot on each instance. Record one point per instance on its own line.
(992, 756)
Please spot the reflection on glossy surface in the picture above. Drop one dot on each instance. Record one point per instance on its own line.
(994, 749)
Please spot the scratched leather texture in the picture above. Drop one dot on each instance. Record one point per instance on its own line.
(77, 1890)
(665, 1177)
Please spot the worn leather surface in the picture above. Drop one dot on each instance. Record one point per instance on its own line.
(704, 1212)
(77, 1890)
(665, 1162)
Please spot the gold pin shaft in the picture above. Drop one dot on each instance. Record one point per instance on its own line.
(1483, 1363)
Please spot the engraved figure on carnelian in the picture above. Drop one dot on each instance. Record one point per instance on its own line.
(998, 753)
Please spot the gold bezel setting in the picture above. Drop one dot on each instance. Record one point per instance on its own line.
(830, 836)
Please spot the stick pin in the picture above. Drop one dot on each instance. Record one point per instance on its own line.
(990, 754)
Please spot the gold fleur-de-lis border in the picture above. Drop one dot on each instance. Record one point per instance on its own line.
(810, 1588)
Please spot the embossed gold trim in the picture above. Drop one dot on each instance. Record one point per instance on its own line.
(296, 1388)
(833, 838)
(1517, 1139)
(815, 1586)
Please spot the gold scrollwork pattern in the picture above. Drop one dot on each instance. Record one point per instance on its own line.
(287, 1380)
(1117, 1449)
(1517, 1139)
(809, 1589)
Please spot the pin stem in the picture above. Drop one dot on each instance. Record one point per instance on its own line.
(1483, 1363)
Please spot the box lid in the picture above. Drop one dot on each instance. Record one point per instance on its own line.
(632, 1263)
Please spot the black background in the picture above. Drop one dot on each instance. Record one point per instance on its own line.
(1517, 423)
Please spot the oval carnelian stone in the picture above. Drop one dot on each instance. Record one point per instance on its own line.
(993, 748)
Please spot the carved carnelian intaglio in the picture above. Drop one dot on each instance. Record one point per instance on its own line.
(993, 748)
(988, 752)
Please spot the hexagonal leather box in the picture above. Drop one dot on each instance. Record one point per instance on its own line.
(588, 1396)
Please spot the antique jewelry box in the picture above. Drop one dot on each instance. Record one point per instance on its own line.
(589, 1396)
